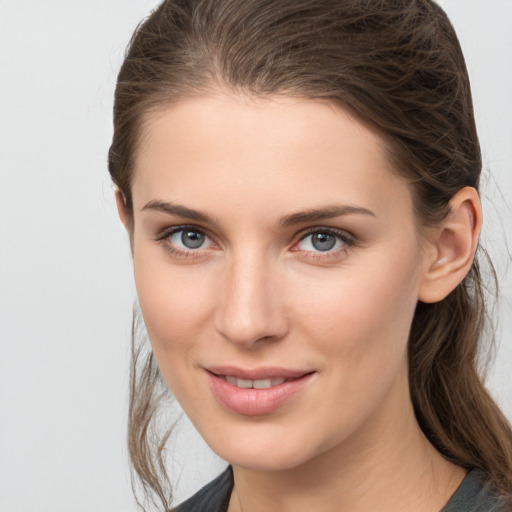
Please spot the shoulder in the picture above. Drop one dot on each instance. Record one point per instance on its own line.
(475, 495)
(213, 497)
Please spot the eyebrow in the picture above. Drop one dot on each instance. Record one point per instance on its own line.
(312, 215)
(329, 212)
(180, 211)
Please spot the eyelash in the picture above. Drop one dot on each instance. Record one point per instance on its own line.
(347, 240)
(164, 239)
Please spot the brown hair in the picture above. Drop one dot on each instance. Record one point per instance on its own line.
(395, 64)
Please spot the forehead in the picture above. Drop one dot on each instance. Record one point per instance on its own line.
(279, 148)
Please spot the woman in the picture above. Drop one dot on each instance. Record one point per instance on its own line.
(299, 182)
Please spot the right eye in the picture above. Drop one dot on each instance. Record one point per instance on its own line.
(189, 239)
(185, 241)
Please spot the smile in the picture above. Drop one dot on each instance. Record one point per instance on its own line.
(256, 392)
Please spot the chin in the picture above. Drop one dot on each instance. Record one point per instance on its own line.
(264, 461)
(264, 451)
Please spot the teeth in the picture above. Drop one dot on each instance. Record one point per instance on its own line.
(262, 384)
(231, 380)
(256, 384)
(266, 383)
(242, 383)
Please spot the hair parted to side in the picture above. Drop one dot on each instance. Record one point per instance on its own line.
(396, 65)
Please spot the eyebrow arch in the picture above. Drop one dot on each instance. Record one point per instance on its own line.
(180, 211)
(329, 212)
(312, 215)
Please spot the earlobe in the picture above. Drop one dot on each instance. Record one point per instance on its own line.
(455, 243)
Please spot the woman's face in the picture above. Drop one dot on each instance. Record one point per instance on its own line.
(278, 267)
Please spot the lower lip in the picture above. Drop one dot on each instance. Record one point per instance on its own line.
(254, 402)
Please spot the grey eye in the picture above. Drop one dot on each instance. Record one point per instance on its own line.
(192, 239)
(322, 241)
(189, 239)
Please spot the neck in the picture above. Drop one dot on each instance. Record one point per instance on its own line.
(390, 467)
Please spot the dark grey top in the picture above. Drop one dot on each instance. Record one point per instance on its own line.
(473, 495)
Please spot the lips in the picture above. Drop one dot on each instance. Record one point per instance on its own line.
(256, 392)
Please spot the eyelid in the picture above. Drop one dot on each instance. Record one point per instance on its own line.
(168, 231)
(348, 241)
(163, 237)
(341, 233)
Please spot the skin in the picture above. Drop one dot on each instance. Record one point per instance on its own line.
(258, 293)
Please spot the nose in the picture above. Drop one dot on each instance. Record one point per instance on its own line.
(251, 307)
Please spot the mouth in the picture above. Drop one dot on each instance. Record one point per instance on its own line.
(258, 378)
(254, 392)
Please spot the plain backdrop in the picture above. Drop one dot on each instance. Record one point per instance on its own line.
(66, 290)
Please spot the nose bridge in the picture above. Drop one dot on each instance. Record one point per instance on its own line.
(251, 307)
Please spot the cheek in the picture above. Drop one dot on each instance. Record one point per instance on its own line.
(361, 316)
(361, 327)
(176, 305)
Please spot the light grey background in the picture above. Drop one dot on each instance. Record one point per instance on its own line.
(66, 290)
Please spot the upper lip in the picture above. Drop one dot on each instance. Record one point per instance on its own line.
(267, 372)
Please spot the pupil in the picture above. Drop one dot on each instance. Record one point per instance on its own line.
(323, 241)
(192, 239)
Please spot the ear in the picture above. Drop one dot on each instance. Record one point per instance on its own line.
(122, 209)
(454, 244)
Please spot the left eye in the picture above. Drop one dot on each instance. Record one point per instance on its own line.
(189, 239)
(322, 241)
